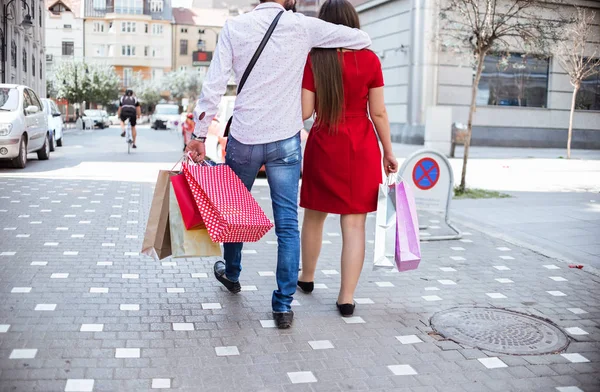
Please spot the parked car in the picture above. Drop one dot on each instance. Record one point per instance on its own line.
(55, 123)
(114, 120)
(165, 116)
(96, 117)
(23, 125)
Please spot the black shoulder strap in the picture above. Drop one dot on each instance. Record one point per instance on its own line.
(253, 61)
(259, 50)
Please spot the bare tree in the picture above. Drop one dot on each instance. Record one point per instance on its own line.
(576, 56)
(476, 28)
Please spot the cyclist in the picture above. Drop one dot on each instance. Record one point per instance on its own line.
(129, 109)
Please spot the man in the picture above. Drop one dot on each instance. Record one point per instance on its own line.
(129, 109)
(266, 124)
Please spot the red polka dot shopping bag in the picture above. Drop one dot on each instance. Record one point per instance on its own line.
(228, 209)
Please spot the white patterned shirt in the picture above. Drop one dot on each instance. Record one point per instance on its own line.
(269, 107)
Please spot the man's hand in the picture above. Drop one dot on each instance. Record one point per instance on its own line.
(390, 164)
(196, 150)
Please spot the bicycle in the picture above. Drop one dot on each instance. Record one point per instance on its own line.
(128, 136)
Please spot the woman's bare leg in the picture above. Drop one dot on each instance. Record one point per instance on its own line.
(312, 239)
(353, 255)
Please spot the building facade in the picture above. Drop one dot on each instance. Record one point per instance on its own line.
(22, 33)
(134, 36)
(195, 35)
(64, 29)
(523, 103)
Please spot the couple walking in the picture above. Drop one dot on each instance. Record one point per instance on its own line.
(308, 66)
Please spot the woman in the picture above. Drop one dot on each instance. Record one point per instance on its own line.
(342, 160)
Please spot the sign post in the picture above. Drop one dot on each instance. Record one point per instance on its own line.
(431, 177)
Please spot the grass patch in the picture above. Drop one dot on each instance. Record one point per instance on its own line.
(474, 193)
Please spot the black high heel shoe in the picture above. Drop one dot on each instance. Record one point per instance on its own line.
(306, 287)
(346, 310)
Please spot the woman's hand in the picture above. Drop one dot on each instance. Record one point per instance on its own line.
(390, 164)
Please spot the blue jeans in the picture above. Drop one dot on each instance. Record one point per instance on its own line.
(282, 160)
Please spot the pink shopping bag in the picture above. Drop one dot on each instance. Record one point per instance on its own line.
(408, 247)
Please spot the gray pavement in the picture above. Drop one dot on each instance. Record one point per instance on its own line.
(81, 310)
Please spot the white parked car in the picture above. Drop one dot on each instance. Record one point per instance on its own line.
(55, 123)
(165, 116)
(23, 125)
(114, 120)
(96, 118)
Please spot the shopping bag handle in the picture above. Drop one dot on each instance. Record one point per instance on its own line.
(394, 178)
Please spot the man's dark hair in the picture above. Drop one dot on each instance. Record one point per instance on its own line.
(129, 92)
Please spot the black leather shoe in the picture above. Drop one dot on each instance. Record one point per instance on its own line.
(122, 134)
(219, 270)
(306, 287)
(283, 320)
(346, 310)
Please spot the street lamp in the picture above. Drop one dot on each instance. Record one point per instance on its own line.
(26, 23)
(203, 31)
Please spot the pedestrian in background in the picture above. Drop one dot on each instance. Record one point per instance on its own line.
(342, 161)
(187, 128)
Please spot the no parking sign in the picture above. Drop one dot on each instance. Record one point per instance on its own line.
(432, 180)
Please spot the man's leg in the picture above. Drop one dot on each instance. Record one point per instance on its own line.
(283, 173)
(133, 133)
(245, 161)
(122, 127)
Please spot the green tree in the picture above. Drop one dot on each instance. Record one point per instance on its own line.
(77, 81)
(147, 91)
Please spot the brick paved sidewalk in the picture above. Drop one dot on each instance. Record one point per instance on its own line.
(80, 310)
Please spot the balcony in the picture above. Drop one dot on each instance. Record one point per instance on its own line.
(99, 8)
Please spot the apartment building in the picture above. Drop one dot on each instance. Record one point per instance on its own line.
(524, 104)
(132, 35)
(195, 36)
(23, 39)
(64, 27)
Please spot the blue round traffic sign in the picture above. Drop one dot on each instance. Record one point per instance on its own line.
(426, 173)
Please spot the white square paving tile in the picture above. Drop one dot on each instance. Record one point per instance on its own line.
(108, 244)
(447, 269)
(249, 252)
(115, 216)
(45, 307)
(50, 243)
(77, 235)
(333, 234)
(133, 222)
(576, 331)
(266, 273)
(104, 263)
(466, 241)
(447, 282)
(402, 370)
(557, 293)
(301, 377)
(457, 248)
(199, 275)
(384, 284)
(175, 290)
(35, 223)
(129, 307)
(161, 383)
(39, 263)
(502, 268)
(268, 323)
(503, 280)
(59, 276)
(21, 290)
(249, 288)
(271, 242)
(551, 267)
(70, 216)
(575, 358)
(330, 272)
(23, 353)
(492, 362)
(409, 339)
(326, 242)
(320, 344)
(558, 279)
(127, 353)
(99, 290)
(568, 389)
(211, 306)
(183, 326)
(10, 228)
(62, 228)
(70, 253)
(431, 298)
(91, 328)
(576, 310)
(4, 328)
(131, 236)
(353, 320)
(503, 249)
(496, 295)
(363, 301)
(457, 258)
(227, 351)
(8, 253)
(321, 286)
(507, 257)
(131, 253)
(432, 288)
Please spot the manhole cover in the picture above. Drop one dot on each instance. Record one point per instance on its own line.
(500, 331)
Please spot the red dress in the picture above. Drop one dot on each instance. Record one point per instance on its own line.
(342, 169)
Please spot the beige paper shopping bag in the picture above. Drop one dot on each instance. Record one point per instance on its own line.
(157, 239)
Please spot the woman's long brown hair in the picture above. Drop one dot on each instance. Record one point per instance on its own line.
(327, 65)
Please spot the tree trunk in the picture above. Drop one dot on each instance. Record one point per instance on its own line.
(570, 134)
(463, 183)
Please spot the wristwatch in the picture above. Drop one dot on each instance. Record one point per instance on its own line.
(200, 139)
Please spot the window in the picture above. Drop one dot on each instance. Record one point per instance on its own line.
(588, 97)
(156, 6)
(13, 54)
(155, 52)
(146, 28)
(27, 101)
(514, 80)
(183, 47)
(67, 26)
(201, 45)
(33, 65)
(41, 70)
(127, 76)
(128, 27)
(157, 29)
(99, 4)
(157, 74)
(40, 18)
(184, 30)
(101, 51)
(134, 7)
(128, 50)
(24, 60)
(98, 27)
(33, 9)
(68, 48)
(183, 68)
